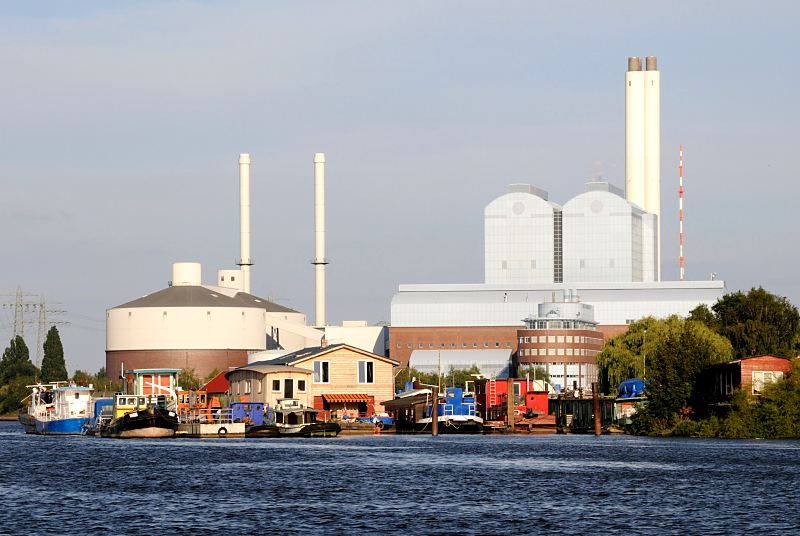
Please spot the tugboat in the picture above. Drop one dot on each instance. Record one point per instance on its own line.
(151, 411)
(457, 414)
(141, 417)
(295, 420)
(56, 408)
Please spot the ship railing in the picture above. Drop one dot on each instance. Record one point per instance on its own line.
(464, 409)
(206, 416)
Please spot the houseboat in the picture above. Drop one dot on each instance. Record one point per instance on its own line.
(295, 420)
(413, 409)
(257, 421)
(56, 408)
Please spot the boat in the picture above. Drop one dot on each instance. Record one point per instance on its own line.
(295, 420)
(413, 409)
(456, 414)
(150, 411)
(102, 410)
(259, 423)
(56, 408)
(141, 417)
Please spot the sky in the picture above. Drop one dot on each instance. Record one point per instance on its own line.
(122, 124)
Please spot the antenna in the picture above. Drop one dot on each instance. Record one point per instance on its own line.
(680, 205)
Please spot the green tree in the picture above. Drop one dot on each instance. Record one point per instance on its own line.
(188, 380)
(452, 378)
(678, 354)
(756, 323)
(16, 361)
(210, 376)
(624, 356)
(53, 366)
(16, 372)
(536, 372)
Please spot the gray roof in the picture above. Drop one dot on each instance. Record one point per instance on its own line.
(199, 296)
(266, 367)
(307, 353)
(302, 354)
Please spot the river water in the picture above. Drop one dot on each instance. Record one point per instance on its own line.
(398, 484)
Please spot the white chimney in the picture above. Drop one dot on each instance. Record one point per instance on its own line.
(652, 147)
(319, 236)
(634, 133)
(244, 219)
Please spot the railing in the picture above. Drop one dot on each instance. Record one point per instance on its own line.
(206, 416)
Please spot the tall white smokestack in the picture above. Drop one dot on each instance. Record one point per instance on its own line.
(319, 236)
(634, 133)
(652, 147)
(244, 219)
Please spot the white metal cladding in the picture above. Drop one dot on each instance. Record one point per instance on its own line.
(507, 305)
(492, 363)
(604, 239)
(518, 238)
(185, 328)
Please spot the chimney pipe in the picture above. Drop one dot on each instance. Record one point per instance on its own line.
(635, 133)
(319, 236)
(244, 219)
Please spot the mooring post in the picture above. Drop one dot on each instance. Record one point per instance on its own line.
(510, 403)
(435, 411)
(596, 403)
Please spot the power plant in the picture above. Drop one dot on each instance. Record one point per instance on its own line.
(190, 325)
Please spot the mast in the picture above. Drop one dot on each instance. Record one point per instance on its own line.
(680, 207)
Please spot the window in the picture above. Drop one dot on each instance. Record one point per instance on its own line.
(301, 385)
(517, 389)
(409, 345)
(505, 265)
(247, 386)
(486, 345)
(452, 345)
(366, 372)
(762, 378)
(276, 385)
(322, 372)
(508, 345)
(463, 345)
(399, 345)
(474, 344)
(497, 344)
(421, 345)
(430, 345)
(442, 345)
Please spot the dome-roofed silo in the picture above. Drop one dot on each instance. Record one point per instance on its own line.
(189, 325)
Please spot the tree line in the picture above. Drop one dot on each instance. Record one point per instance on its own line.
(674, 354)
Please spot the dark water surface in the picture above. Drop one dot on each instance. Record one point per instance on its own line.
(395, 484)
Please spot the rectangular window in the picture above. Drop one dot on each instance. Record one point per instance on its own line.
(542, 338)
(551, 338)
(560, 338)
(301, 385)
(762, 378)
(366, 372)
(322, 372)
(247, 386)
(569, 338)
(258, 384)
(276, 385)
(517, 389)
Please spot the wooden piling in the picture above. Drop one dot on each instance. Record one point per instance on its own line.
(598, 422)
(435, 411)
(510, 403)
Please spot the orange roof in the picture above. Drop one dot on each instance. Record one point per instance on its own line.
(346, 398)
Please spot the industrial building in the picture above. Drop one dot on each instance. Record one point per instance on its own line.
(600, 249)
(191, 325)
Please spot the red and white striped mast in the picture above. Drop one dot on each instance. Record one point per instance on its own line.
(680, 204)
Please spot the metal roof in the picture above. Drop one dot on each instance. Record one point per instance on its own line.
(267, 367)
(201, 296)
(308, 353)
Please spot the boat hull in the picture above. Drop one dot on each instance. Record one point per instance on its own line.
(450, 425)
(316, 429)
(142, 424)
(263, 430)
(61, 426)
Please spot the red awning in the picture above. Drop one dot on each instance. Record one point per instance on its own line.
(348, 398)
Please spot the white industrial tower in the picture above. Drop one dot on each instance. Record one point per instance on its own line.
(643, 140)
(319, 237)
(244, 220)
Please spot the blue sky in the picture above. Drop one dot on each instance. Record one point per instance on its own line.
(123, 123)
